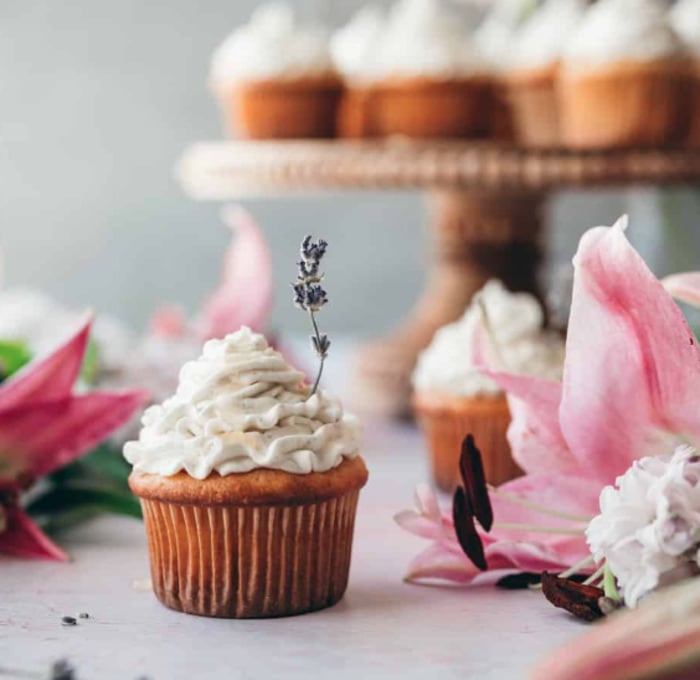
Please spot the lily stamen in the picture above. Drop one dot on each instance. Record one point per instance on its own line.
(540, 529)
(543, 509)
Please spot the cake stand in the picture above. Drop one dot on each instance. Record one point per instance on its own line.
(487, 214)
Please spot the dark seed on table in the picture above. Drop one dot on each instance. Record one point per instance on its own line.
(69, 621)
(83, 615)
(62, 670)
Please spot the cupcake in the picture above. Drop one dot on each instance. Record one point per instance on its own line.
(493, 40)
(353, 48)
(685, 19)
(248, 484)
(624, 79)
(531, 79)
(452, 396)
(423, 79)
(275, 78)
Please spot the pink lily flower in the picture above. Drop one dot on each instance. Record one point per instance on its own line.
(44, 426)
(243, 297)
(631, 388)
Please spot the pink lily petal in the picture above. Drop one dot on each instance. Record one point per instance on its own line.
(439, 563)
(23, 538)
(244, 296)
(660, 640)
(684, 287)
(52, 377)
(427, 520)
(45, 436)
(632, 370)
(534, 433)
(169, 322)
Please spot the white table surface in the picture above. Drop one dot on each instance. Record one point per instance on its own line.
(383, 627)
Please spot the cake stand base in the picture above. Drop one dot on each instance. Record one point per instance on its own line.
(476, 236)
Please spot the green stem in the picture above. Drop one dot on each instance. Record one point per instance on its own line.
(609, 585)
(321, 357)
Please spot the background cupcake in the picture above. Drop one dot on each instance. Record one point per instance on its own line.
(427, 81)
(249, 485)
(493, 40)
(452, 396)
(625, 78)
(685, 19)
(354, 50)
(275, 78)
(534, 64)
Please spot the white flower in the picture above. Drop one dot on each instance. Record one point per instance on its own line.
(648, 529)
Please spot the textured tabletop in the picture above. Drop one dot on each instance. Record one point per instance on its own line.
(383, 628)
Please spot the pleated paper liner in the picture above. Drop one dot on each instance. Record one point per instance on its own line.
(446, 420)
(244, 558)
(532, 96)
(303, 108)
(629, 104)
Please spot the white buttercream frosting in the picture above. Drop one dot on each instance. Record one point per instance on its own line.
(423, 38)
(447, 365)
(354, 46)
(272, 45)
(240, 406)
(494, 36)
(542, 38)
(685, 19)
(623, 30)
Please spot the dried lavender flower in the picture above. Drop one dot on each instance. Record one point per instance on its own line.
(310, 296)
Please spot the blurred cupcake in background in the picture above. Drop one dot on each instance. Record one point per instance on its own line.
(685, 19)
(354, 50)
(535, 55)
(454, 398)
(274, 78)
(625, 78)
(421, 75)
(493, 40)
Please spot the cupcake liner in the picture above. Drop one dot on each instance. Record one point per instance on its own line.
(302, 108)
(625, 105)
(250, 561)
(356, 113)
(446, 421)
(532, 96)
(423, 108)
(694, 126)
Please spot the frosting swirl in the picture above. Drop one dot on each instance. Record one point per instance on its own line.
(621, 30)
(685, 18)
(240, 406)
(272, 45)
(447, 365)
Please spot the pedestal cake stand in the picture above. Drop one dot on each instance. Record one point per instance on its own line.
(487, 214)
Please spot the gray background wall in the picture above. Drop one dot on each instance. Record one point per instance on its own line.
(98, 99)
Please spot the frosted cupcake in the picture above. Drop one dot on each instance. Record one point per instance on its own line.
(354, 50)
(422, 79)
(685, 18)
(274, 78)
(248, 485)
(531, 80)
(625, 78)
(454, 398)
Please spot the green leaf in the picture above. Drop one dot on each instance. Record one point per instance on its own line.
(91, 363)
(104, 464)
(13, 355)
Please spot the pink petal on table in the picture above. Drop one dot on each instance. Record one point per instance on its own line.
(427, 520)
(438, 563)
(24, 539)
(632, 370)
(45, 436)
(534, 434)
(660, 640)
(684, 287)
(244, 296)
(51, 377)
(168, 322)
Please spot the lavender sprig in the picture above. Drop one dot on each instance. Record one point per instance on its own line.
(310, 296)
